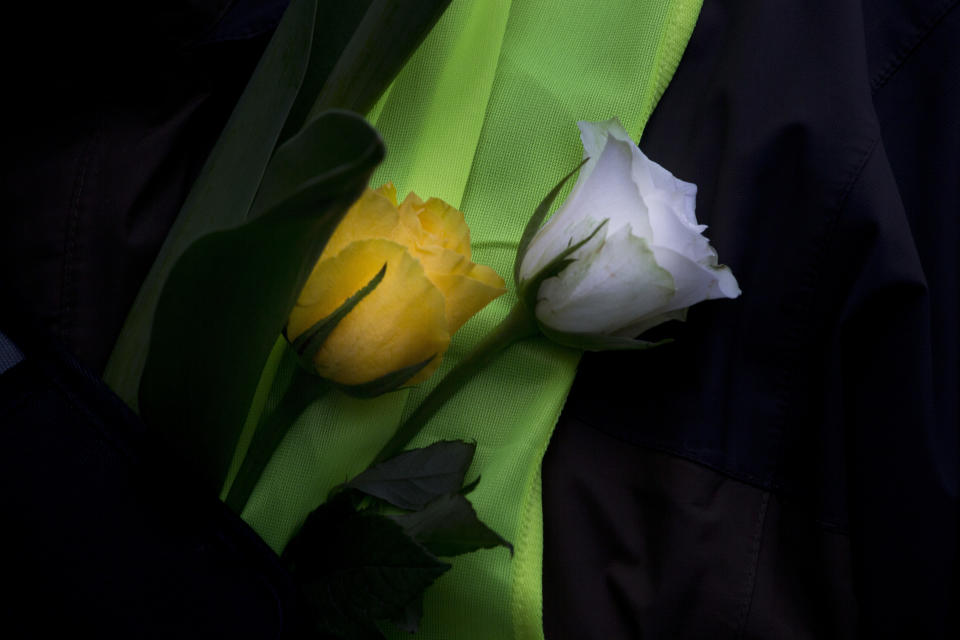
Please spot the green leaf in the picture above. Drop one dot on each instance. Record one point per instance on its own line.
(355, 568)
(384, 40)
(449, 526)
(415, 478)
(533, 224)
(309, 342)
(334, 26)
(229, 296)
(222, 195)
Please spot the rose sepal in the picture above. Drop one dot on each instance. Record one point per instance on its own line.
(309, 342)
(528, 290)
(393, 381)
(536, 220)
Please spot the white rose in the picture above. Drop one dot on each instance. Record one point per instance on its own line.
(644, 259)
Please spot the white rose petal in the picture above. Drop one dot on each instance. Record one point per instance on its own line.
(602, 196)
(589, 296)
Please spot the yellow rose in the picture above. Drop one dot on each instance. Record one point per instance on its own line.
(430, 288)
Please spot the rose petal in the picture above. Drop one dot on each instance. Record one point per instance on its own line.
(363, 346)
(594, 137)
(388, 191)
(606, 290)
(695, 282)
(373, 215)
(675, 233)
(607, 193)
(655, 181)
(445, 226)
(467, 287)
(467, 294)
(610, 192)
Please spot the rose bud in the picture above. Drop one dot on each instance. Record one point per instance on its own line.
(428, 288)
(624, 252)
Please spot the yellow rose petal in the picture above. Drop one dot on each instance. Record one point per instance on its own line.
(440, 260)
(465, 295)
(400, 323)
(374, 215)
(446, 224)
(435, 223)
(388, 191)
(329, 286)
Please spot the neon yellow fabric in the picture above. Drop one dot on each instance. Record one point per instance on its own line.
(484, 116)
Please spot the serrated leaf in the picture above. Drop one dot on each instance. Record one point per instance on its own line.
(229, 296)
(355, 568)
(449, 526)
(415, 478)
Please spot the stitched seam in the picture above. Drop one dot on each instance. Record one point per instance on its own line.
(752, 575)
(667, 58)
(897, 62)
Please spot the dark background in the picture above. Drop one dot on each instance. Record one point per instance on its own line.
(786, 469)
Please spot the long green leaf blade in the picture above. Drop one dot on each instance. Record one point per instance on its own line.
(222, 195)
(387, 36)
(230, 294)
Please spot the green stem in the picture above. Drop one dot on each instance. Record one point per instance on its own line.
(304, 389)
(517, 325)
